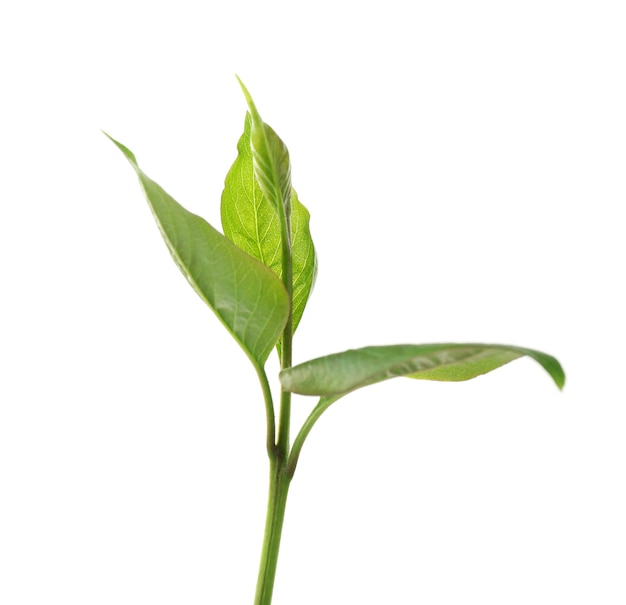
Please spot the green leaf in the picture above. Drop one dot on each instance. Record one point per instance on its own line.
(336, 375)
(270, 159)
(304, 258)
(245, 295)
(250, 221)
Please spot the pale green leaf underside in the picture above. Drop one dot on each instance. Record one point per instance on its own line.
(245, 295)
(336, 375)
(270, 158)
(251, 222)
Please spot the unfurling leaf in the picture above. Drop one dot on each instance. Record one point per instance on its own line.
(251, 222)
(246, 295)
(270, 159)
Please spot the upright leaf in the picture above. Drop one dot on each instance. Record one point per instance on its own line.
(272, 167)
(336, 375)
(245, 295)
(250, 221)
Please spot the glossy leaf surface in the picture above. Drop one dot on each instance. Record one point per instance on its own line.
(250, 221)
(246, 295)
(336, 375)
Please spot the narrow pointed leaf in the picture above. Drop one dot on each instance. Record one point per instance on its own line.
(336, 375)
(245, 295)
(270, 159)
(250, 221)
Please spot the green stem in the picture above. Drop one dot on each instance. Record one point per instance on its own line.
(269, 411)
(298, 442)
(277, 501)
(278, 452)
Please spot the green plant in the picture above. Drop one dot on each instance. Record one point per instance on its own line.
(257, 278)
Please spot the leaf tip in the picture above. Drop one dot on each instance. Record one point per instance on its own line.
(560, 381)
(130, 156)
(556, 371)
(251, 106)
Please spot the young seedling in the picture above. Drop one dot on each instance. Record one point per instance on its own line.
(257, 278)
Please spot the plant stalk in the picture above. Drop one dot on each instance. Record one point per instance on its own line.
(277, 501)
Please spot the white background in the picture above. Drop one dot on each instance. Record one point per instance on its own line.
(464, 165)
